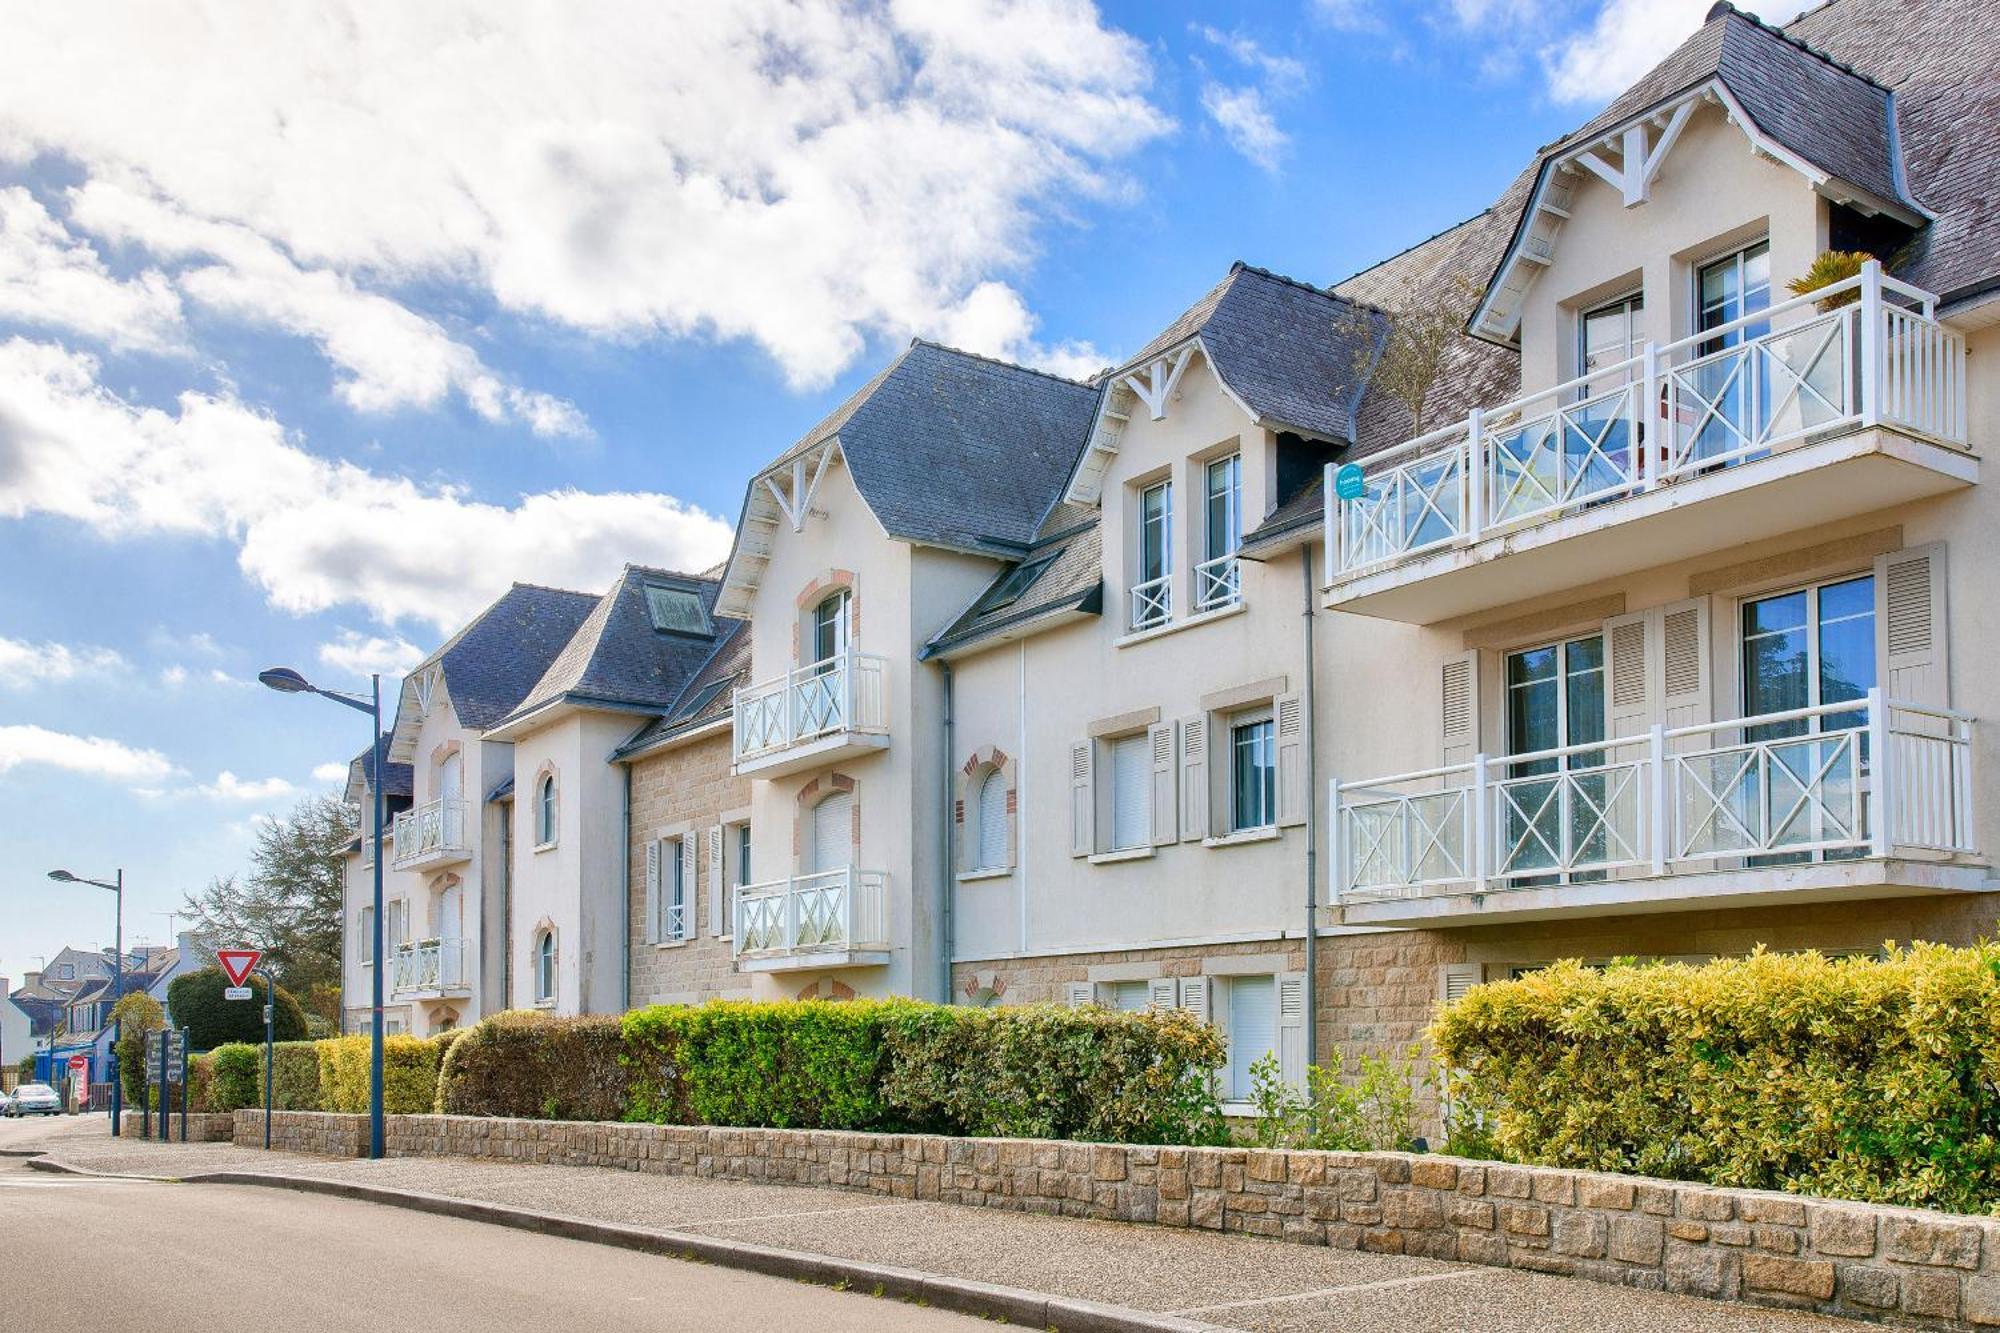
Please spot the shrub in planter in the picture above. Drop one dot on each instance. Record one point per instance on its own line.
(235, 1077)
(536, 1066)
(197, 1004)
(1876, 1080)
(409, 1073)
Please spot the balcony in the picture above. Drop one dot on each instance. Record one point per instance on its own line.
(432, 834)
(836, 918)
(430, 968)
(1152, 603)
(1680, 451)
(815, 715)
(1217, 583)
(1870, 798)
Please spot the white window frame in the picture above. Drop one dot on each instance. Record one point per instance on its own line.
(1232, 722)
(1145, 777)
(545, 977)
(1225, 1006)
(979, 863)
(548, 815)
(365, 936)
(1632, 305)
(1164, 574)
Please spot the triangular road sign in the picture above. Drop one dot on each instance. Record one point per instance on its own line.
(236, 963)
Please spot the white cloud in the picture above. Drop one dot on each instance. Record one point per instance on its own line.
(358, 654)
(1245, 122)
(173, 676)
(228, 787)
(95, 756)
(1348, 15)
(330, 773)
(804, 174)
(51, 279)
(313, 534)
(22, 662)
(1283, 72)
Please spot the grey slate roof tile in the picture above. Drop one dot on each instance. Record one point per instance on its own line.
(1073, 579)
(616, 657)
(707, 697)
(397, 779)
(492, 663)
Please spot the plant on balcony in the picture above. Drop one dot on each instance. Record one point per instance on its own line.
(1855, 1077)
(1827, 268)
(197, 1004)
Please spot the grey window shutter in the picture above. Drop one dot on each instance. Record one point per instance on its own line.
(1911, 637)
(1194, 777)
(1160, 739)
(686, 925)
(1458, 978)
(1288, 712)
(1629, 688)
(653, 891)
(1460, 679)
(1194, 996)
(1292, 1054)
(1077, 994)
(1685, 669)
(718, 883)
(1082, 801)
(1161, 994)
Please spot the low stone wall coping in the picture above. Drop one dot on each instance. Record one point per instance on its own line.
(1927, 1269)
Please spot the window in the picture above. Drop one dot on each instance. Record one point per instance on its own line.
(1018, 580)
(833, 833)
(990, 833)
(545, 967)
(1216, 578)
(364, 937)
(1131, 792)
(743, 854)
(676, 609)
(1253, 774)
(1152, 591)
(1732, 288)
(397, 923)
(829, 627)
(1555, 699)
(675, 914)
(66, 972)
(545, 811)
(1130, 996)
(1253, 1030)
(1607, 336)
(733, 874)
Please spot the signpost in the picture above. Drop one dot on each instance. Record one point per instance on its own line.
(79, 1079)
(166, 1065)
(237, 965)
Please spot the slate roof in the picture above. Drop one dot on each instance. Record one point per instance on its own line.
(491, 664)
(1072, 581)
(1287, 349)
(706, 698)
(617, 658)
(957, 450)
(397, 779)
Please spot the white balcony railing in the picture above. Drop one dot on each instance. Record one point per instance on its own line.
(1153, 602)
(429, 965)
(848, 693)
(1217, 583)
(1664, 416)
(432, 831)
(1871, 777)
(833, 911)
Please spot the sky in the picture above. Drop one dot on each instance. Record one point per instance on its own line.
(320, 323)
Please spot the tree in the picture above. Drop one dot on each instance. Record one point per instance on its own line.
(1419, 340)
(135, 1015)
(197, 1004)
(290, 903)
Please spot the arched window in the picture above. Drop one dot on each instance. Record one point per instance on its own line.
(545, 810)
(545, 967)
(990, 845)
(833, 832)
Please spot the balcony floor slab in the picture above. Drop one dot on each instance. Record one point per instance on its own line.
(1712, 890)
(817, 753)
(824, 960)
(1797, 488)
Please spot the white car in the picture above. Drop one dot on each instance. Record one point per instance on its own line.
(34, 1099)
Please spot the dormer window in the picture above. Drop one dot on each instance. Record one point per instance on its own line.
(677, 610)
(1019, 579)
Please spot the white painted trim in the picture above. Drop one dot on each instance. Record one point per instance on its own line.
(1265, 833)
(1122, 854)
(1131, 946)
(1175, 626)
(974, 876)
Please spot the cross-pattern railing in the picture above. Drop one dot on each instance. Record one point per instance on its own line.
(847, 693)
(1868, 777)
(428, 965)
(1153, 602)
(434, 828)
(1728, 395)
(1217, 583)
(830, 911)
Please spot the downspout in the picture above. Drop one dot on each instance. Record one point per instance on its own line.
(625, 885)
(1312, 816)
(947, 881)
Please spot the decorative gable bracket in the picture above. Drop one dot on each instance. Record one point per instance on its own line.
(1156, 380)
(1638, 161)
(795, 503)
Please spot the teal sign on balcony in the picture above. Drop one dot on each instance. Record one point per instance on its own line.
(1348, 482)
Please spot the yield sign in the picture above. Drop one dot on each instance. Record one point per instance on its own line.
(238, 962)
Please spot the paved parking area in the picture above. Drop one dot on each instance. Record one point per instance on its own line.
(1235, 1282)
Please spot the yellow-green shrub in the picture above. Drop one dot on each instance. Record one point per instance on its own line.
(409, 1072)
(1865, 1079)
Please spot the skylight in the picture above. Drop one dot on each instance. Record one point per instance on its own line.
(1019, 580)
(676, 609)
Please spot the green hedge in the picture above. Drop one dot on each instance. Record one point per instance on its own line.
(1857, 1078)
(534, 1066)
(409, 1072)
(195, 999)
(235, 1076)
(1035, 1070)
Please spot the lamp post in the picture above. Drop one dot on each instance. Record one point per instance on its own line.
(287, 681)
(117, 886)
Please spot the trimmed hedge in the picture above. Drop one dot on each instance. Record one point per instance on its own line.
(1857, 1078)
(536, 1066)
(409, 1072)
(195, 1000)
(1035, 1070)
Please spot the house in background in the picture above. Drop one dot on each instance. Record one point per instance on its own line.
(17, 1038)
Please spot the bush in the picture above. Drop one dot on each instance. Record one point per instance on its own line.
(197, 1004)
(1374, 1113)
(135, 1014)
(1864, 1079)
(409, 1073)
(796, 1064)
(236, 1075)
(538, 1067)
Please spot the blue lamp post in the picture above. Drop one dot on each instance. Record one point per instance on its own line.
(287, 681)
(117, 887)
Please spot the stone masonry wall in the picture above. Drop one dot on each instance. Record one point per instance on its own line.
(1934, 1270)
(202, 1126)
(688, 785)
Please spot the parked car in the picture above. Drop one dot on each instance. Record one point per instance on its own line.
(5, 1101)
(34, 1099)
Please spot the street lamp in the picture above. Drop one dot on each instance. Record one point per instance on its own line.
(287, 681)
(116, 886)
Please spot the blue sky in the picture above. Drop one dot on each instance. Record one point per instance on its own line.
(318, 329)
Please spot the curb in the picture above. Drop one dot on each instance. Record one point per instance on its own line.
(1032, 1309)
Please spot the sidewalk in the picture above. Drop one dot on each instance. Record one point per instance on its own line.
(1233, 1282)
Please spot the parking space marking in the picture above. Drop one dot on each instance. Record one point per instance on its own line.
(1347, 1289)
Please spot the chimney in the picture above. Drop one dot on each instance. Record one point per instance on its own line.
(31, 978)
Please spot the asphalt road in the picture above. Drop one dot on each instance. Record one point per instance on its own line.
(89, 1255)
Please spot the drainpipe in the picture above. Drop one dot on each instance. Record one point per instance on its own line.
(1312, 817)
(947, 882)
(625, 885)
